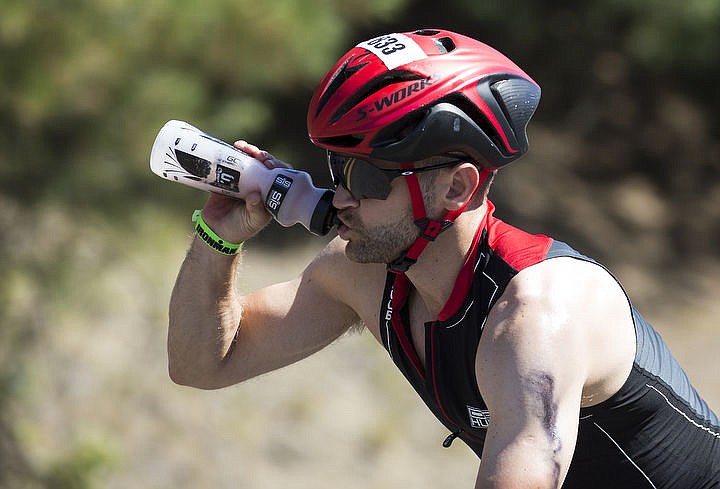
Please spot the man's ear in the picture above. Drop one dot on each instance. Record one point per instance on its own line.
(465, 179)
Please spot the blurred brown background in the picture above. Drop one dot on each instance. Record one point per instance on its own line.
(624, 165)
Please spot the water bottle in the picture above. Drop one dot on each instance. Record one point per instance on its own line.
(185, 154)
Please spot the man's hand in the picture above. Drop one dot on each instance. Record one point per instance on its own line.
(238, 220)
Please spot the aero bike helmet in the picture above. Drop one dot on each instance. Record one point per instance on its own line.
(406, 97)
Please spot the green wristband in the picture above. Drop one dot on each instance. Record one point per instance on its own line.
(211, 238)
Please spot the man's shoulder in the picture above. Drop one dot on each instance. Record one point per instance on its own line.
(571, 313)
(567, 288)
(562, 279)
(562, 304)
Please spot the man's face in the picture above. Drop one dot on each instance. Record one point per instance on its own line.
(379, 231)
(371, 240)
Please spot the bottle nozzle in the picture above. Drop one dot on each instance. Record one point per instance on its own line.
(323, 217)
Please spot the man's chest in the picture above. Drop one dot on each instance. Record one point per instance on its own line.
(439, 362)
(437, 353)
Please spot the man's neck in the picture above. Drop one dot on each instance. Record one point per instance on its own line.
(435, 273)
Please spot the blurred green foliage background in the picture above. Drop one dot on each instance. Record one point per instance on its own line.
(624, 164)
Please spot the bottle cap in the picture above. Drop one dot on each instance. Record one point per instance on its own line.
(323, 217)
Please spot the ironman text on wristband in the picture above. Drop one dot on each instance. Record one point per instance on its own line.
(211, 238)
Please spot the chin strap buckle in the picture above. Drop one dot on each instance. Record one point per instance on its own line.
(431, 229)
(401, 264)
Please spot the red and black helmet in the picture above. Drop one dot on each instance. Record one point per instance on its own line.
(406, 97)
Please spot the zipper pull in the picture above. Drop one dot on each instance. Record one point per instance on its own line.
(451, 437)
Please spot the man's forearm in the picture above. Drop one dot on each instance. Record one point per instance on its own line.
(204, 315)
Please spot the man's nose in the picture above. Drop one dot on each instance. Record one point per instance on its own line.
(343, 199)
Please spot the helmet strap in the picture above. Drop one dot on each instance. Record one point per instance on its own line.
(429, 228)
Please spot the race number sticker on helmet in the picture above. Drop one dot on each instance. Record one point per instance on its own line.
(394, 49)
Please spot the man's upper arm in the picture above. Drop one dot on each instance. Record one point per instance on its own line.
(530, 371)
(283, 323)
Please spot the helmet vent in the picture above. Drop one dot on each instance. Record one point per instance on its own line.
(340, 77)
(445, 45)
(427, 32)
(373, 86)
(347, 141)
(518, 98)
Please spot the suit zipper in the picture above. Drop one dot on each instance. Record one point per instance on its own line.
(430, 334)
(451, 438)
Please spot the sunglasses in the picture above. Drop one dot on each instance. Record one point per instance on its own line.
(366, 181)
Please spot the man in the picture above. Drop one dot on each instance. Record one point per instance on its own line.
(524, 349)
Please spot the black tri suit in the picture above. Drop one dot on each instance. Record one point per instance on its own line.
(655, 432)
